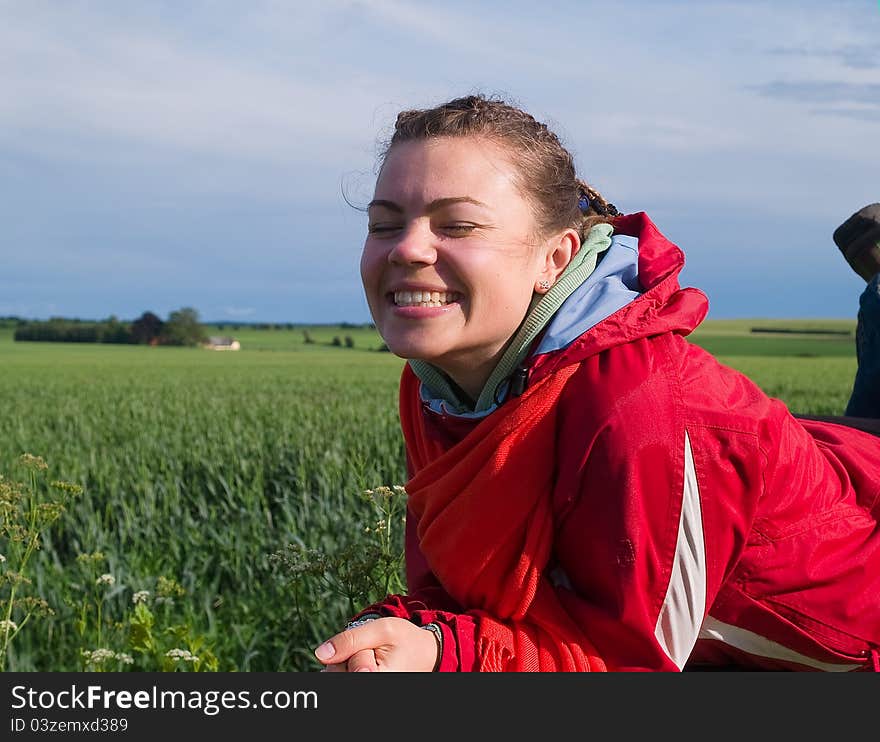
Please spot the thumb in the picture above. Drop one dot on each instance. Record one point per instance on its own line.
(340, 647)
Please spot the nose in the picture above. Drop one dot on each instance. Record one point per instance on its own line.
(414, 246)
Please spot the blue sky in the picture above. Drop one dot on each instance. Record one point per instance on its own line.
(155, 155)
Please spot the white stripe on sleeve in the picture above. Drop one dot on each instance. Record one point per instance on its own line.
(761, 646)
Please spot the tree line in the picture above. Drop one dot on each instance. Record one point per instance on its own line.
(181, 328)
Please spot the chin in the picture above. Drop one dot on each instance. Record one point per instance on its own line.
(409, 351)
(410, 345)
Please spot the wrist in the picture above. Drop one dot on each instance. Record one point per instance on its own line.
(438, 637)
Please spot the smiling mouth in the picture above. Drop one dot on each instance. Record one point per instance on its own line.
(425, 298)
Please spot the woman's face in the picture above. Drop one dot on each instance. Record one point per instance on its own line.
(450, 262)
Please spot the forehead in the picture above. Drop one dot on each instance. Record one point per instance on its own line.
(447, 167)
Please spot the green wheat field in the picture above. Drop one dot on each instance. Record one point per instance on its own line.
(222, 523)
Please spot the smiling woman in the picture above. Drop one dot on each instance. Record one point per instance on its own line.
(588, 490)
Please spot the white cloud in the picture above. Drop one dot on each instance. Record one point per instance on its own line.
(103, 82)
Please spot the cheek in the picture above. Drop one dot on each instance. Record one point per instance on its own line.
(512, 287)
(370, 266)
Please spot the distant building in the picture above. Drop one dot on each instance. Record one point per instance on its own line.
(217, 342)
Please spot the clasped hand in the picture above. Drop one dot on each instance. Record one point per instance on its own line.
(382, 645)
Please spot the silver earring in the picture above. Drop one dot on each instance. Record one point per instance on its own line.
(544, 285)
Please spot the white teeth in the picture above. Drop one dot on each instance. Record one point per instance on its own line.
(423, 298)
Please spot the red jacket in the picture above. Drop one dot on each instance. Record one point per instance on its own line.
(697, 521)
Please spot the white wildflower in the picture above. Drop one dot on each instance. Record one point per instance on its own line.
(181, 654)
(98, 656)
(106, 579)
(125, 659)
(6, 626)
(141, 596)
(2, 559)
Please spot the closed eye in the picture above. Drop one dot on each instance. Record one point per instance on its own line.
(382, 228)
(459, 229)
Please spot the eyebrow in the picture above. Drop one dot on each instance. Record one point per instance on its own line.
(433, 206)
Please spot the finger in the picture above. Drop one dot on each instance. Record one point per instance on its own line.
(363, 661)
(340, 667)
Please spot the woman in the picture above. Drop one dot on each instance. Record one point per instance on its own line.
(588, 490)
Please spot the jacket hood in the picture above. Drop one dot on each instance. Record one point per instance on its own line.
(632, 298)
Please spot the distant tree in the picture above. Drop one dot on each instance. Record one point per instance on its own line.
(349, 341)
(59, 330)
(336, 341)
(307, 337)
(114, 331)
(183, 328)
(146, 329)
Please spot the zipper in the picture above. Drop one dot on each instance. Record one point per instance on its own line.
(518, 380)
(516, 384)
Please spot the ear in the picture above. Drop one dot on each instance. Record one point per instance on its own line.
(559, 251)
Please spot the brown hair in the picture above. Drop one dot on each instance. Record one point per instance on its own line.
(546, 169)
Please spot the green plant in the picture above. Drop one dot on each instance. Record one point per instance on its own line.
(27, 510)
(148, 640)
(364, 567)
(190, 651)
(94, 589)
(152, 638)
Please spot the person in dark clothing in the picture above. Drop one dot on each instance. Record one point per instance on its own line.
(858, 238)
